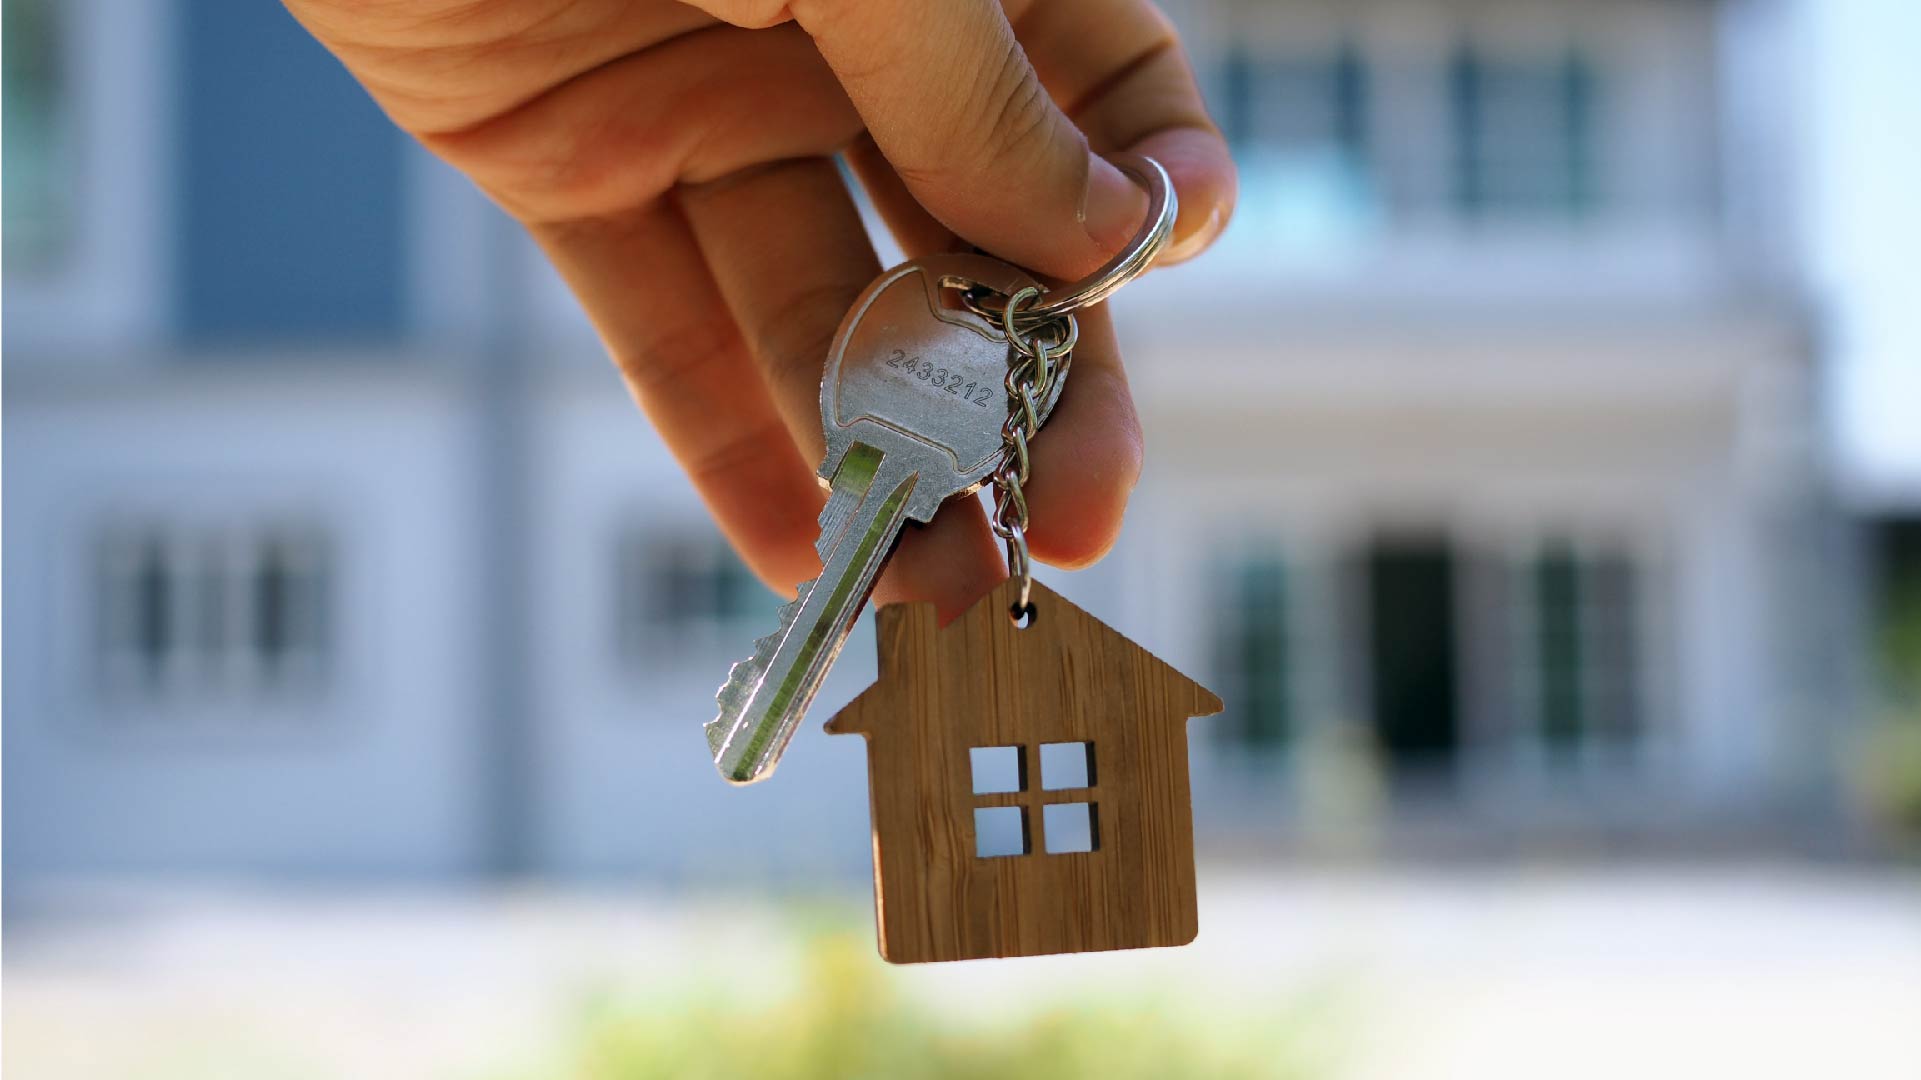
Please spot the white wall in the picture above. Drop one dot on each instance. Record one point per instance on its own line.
(375, 774)
(624, 780)
(1643, 432)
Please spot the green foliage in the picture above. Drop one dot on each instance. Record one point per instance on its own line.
(1891, 773)
(1899, 636)
(1891, 758)
(847, 1020)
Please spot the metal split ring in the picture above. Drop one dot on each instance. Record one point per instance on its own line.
(1131, 262)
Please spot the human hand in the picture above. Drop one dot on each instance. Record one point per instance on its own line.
(675, 161)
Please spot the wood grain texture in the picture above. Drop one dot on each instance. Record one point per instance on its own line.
(982, 681)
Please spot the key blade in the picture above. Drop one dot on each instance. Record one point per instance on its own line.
(744, 676)
(742, 679)
(767, 695)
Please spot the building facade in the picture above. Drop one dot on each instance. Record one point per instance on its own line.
(1483, 484)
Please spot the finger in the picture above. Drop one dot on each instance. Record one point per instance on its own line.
(953, 561)
(790, 256)
(1087, 458)
(917, 231)
(585, 164)
(643, 282)
(460, 63)
(953, 103)
(1120, 73)
(694, 109)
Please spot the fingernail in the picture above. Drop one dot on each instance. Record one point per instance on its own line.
(1114, 206)
(1185, 248)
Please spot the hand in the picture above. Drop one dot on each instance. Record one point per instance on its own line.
(676, 163)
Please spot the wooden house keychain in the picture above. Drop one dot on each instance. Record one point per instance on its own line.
(939, 376)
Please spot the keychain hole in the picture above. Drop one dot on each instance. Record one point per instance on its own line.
(1024, 617)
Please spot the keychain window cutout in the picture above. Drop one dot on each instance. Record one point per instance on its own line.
(1071, 828)
(998, 769)
(1066, 765)
(1000, 831)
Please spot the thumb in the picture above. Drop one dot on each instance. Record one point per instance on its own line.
(953, 103)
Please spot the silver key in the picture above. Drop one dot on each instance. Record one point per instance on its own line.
(912, 404)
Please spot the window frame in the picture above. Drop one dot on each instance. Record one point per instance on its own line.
(1235, 730)
(1595, 734)
(202, 680)
(647, 631)
(1484, 184)
(108, 290)
(1032, 799)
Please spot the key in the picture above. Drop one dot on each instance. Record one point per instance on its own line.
(912, 402)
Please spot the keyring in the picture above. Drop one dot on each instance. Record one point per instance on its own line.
(1133, 260)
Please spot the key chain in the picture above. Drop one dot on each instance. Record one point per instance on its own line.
(1027, 764)
(940, 376)
(1034, 367)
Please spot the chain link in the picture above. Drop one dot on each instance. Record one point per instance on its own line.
(1038, 356)
(1041, 332)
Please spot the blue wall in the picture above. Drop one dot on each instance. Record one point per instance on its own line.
(290, 223)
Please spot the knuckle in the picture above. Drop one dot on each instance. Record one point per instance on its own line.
(1017, 122)
(753, 14)
(789, 338)
(1024, 132)
(565, 171)
(749, 451)
(673, 354)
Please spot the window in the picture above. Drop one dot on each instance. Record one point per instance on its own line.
(677, 595)
(1252, 654)
(1069, 827)
(1580, 681)
(1007, 806)
(998, 769)
(38, 126)
(1000, 831)
(1067, 765)
(1523, 135)
(1300, 129)
(211, 613)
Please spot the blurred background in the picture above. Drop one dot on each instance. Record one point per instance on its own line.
(1535, 470)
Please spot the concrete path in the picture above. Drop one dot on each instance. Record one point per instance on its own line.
(1610, 972)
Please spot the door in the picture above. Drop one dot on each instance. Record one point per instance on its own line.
(1413, 669)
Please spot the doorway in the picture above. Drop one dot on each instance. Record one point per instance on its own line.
(1413, 665)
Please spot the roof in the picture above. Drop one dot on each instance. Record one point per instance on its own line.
(899, 624)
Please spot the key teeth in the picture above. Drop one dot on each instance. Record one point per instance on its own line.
(786, 612)
(743, 676)
(716, 736)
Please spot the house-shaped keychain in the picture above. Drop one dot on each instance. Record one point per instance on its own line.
(1060, 741)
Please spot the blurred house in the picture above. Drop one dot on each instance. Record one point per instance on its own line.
(1484, 476)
